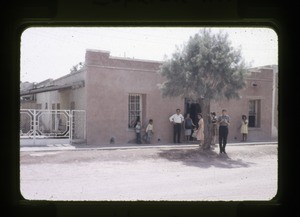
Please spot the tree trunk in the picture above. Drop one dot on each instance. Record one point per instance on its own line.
(205, 107)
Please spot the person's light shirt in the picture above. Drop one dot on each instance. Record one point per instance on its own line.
(138, 128)
(224, 120)
(149, 127)
(177, 119)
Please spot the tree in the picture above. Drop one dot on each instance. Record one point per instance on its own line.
(76, 68)
(207, 67)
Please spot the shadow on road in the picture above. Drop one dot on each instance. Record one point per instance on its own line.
(203, 159)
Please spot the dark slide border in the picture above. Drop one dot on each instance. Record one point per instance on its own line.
(17, 15)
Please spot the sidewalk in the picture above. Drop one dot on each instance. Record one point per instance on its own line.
(64, 147)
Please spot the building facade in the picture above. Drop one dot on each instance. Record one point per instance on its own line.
(115, 92)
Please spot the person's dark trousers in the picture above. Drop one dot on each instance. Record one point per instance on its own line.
(223, 133)
(138, 138)
(177, 132)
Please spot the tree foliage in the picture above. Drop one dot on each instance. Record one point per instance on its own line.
(76, 68)
(207, 67)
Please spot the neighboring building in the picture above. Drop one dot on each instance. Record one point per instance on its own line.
(115, 92)
(27, 101)
(61, 93)
(65, 93)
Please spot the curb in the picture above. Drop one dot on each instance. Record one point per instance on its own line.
(74, 148)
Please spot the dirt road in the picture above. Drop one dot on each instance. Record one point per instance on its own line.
(246, 173)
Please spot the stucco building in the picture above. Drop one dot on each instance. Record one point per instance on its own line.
(114, 92)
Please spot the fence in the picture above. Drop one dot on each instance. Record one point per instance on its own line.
(64, 124)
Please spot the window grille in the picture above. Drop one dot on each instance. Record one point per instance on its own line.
(134, 109)
(254, 113)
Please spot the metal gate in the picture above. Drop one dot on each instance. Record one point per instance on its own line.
(53, 124)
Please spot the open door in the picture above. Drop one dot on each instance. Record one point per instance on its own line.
(192, 107)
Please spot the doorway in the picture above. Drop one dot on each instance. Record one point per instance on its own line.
(193, 108)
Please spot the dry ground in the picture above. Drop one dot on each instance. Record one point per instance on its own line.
(246, 173)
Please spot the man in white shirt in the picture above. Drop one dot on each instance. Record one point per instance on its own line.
(177, 120)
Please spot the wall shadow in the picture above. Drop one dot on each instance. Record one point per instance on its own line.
(203, 159)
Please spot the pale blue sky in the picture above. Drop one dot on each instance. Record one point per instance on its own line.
(51, 52)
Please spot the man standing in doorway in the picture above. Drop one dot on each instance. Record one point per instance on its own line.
(223, 130)
(177, 120)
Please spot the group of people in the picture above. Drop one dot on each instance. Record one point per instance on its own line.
(218, 126)
(198, 131)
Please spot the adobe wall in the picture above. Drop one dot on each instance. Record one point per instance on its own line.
(108, 85)
(110, 80)
(263, 78)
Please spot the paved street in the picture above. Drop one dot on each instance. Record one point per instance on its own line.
(248, 172)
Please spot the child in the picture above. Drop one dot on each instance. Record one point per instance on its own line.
(149, 131)
(244, 128)
(138, 132)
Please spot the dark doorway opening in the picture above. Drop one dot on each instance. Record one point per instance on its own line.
(193, 108)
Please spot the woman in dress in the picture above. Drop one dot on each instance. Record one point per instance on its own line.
(200, 130)
(244, 128)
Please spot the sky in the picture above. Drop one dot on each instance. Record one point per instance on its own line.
(50, 52)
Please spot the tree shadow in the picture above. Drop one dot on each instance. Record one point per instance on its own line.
(203, 159)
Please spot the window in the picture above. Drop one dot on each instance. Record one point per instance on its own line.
(134, 109)
(254, 113)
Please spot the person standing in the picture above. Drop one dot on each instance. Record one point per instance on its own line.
(149, 131)
(138, 132)
(214, 127)
(177, 120)
(188, 126)
(224, 122)
(244, 128)
(200, 130)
